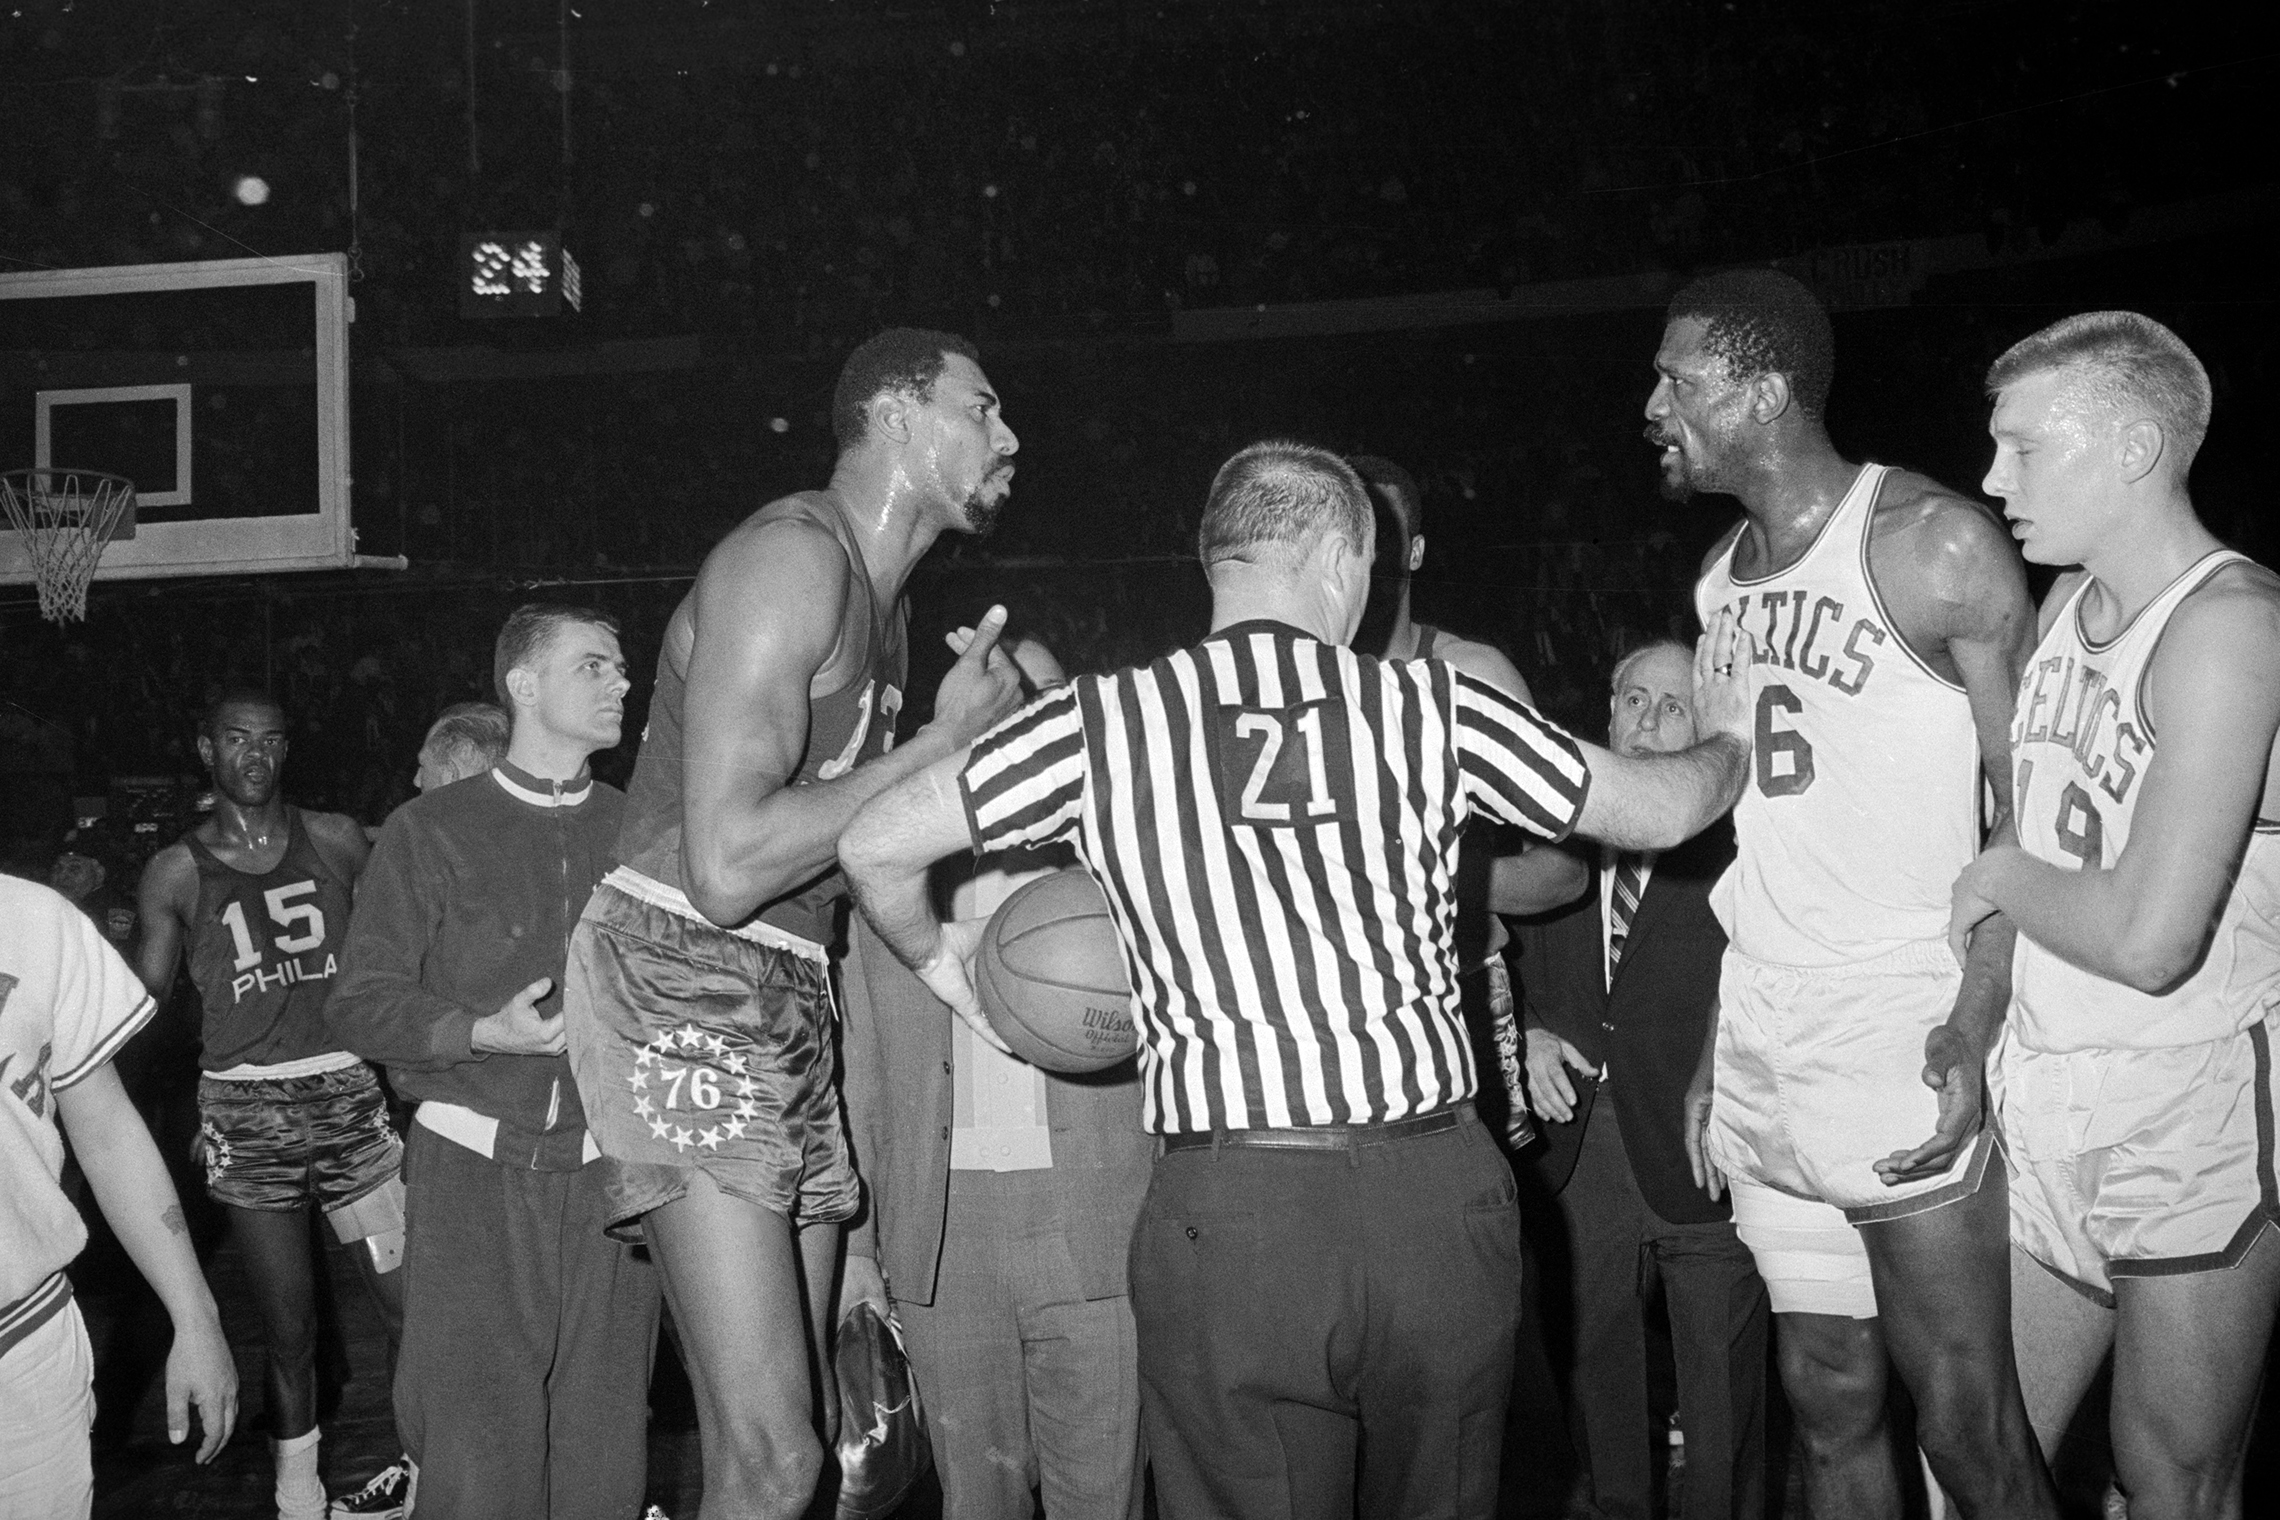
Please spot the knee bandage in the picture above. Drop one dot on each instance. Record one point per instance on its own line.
(377, 1219)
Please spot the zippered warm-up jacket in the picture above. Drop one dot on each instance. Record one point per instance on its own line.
(469, 897)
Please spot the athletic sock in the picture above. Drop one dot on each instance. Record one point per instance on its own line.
(300, 1492)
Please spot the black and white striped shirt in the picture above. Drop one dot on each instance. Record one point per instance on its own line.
(1275, 820)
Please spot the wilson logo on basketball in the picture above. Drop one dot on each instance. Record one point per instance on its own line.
(1051, 976)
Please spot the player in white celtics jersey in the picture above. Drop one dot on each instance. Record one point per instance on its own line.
(1890, 621)
(2134, 1082)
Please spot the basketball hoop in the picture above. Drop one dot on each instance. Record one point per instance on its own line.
(66, 517)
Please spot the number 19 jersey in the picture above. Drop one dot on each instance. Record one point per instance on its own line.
(2080, 747)
(1863, 799)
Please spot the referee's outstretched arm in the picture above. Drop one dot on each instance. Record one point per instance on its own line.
(1657, 802)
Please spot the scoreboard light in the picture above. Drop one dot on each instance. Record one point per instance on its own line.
(517, 274)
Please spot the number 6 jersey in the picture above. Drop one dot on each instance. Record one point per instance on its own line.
(1863, 799)
(263, 950)
(2081, 744)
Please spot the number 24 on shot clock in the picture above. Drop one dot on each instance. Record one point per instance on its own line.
(517, 274)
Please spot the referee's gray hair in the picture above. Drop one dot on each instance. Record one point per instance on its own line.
(467, 738)
(1640, 652)
(1278, 494)
(2125, 362)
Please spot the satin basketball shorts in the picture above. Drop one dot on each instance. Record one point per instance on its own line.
(1820, 1074)
(276, 1143)
(696, 1049)
(2139, 1163)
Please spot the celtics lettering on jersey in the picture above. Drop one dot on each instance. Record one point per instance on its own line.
(1864, 796)
(2069, 703)
(1817, 639)
(2081, 746)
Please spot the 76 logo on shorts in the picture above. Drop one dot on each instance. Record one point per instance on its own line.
(692, 1072)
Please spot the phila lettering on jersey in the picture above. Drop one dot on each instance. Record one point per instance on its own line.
(1864, 798)
(263, 951)
(2081, 744)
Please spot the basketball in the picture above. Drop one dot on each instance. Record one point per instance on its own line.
(1051, 976)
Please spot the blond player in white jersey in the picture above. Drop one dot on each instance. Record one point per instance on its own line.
(1890, 621)
(2135, 1080)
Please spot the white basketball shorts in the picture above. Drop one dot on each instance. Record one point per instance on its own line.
(2139, 1163)
(1820, 1074)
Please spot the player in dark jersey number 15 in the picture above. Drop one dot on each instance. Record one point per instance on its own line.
(258, 896)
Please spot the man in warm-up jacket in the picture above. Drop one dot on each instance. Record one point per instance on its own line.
(522, 1387)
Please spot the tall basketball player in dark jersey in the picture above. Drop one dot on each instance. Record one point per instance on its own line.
(259, 895)
(697, 1001)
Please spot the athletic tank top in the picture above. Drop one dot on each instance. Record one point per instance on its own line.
(1863, 799)
(263, 950)
(2081, 744)
(847, 726)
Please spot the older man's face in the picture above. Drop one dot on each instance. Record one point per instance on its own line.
(1652, 711)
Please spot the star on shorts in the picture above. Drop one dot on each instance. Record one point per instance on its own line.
(710, 1139)
(681, 1138)
(659, 1128)
(733, 1128)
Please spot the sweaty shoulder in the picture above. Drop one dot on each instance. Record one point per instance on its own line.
(334, 829)
(784, 556)
(171, 872)
(1941, 531)
(2235, 614)
(1946, 566)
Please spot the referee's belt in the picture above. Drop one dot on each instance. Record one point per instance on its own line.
(1323, 1137)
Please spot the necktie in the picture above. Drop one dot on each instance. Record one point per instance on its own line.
(1623, 906)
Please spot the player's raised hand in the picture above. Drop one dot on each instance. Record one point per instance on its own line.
(982, 687)
(949, 975)
(1550, 1094)
(1722, 661)
(1954, 1069)
(519, 1029)
(201, 1372)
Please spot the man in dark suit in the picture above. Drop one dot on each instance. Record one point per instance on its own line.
(1618, 994)
(999, 1207)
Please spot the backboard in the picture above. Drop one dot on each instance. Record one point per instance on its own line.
(220, 388)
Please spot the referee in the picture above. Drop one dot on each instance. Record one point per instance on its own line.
(1325, 1275)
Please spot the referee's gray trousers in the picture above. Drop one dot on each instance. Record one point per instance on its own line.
(1328, 1332)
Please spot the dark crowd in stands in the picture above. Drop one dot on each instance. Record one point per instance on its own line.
(789, 172)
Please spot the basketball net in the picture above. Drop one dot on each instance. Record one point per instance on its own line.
(65, 517)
